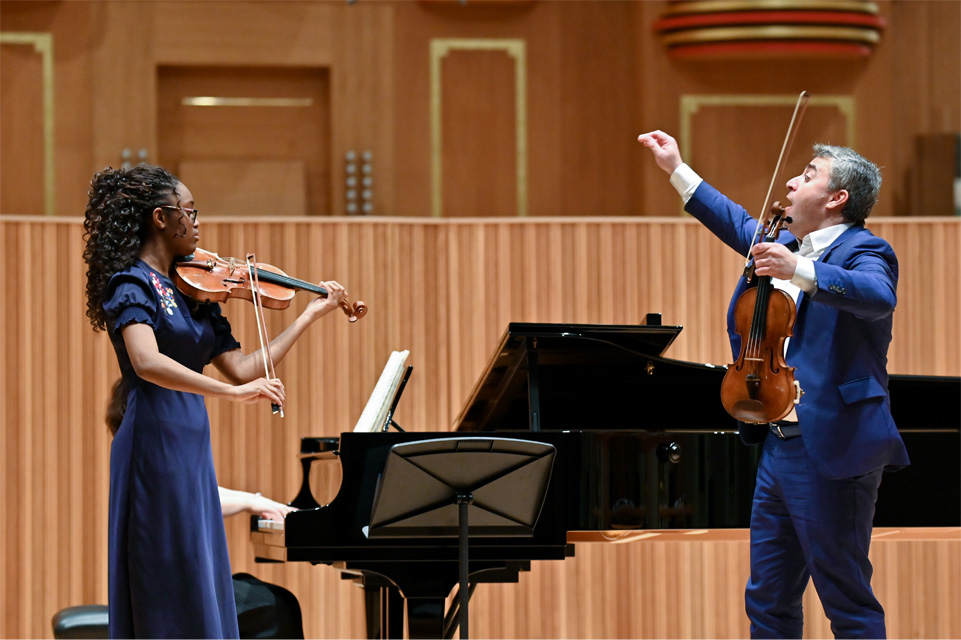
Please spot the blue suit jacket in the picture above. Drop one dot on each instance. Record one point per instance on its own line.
(839, 346)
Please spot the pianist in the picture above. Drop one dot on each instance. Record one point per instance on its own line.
(818, 477)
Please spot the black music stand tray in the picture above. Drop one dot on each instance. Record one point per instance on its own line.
(429, 486)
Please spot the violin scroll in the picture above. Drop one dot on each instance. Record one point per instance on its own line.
(777, 211)
(770, 228)
(354, 312)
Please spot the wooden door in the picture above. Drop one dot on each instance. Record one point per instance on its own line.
(247, 140)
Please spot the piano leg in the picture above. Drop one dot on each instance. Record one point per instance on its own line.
(385, 611)
(423, 587)
(425, 617)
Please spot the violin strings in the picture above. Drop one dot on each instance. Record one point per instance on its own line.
(760, 306)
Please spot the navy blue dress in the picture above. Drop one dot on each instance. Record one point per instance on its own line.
(169, 572)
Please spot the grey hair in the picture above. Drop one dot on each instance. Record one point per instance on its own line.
(857, 175)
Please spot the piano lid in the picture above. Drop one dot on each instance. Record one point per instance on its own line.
(584, 376)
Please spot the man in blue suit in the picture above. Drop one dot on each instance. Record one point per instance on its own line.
(820, 469)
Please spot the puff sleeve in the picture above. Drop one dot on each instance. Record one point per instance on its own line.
(129, 300)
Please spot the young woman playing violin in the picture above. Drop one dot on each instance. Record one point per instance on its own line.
(169, 573)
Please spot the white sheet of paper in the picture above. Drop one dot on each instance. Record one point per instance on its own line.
(374, 414)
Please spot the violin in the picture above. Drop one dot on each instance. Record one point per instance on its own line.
(207, 277)
(759, 387)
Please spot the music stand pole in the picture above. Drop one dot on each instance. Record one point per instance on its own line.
(463, 502)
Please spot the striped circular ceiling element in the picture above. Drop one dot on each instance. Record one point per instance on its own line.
(747, 28)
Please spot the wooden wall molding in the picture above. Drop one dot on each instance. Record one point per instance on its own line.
(733, 140)
(516, 49)
(42, 43)
(690, 104)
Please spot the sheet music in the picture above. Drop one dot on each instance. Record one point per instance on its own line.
(374, 414)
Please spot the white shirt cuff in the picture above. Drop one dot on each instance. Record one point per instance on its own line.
(804, 276)
(685, 181)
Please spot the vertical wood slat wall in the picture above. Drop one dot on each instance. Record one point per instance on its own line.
(445, 289)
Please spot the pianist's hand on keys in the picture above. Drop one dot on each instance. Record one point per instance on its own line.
(233, 502)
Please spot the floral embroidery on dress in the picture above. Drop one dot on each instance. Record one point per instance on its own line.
(167, 301)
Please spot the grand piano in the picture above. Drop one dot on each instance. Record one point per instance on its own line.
(642, 445)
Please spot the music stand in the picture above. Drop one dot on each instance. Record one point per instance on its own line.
(428, 487)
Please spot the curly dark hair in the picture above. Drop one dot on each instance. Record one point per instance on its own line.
(115, 225)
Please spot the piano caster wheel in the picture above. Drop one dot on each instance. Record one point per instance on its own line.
(669, 452)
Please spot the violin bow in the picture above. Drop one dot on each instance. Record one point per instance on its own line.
(802, 103)
(262, 326)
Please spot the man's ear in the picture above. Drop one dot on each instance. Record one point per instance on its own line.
(837, 200)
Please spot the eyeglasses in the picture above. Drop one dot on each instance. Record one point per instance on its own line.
(191, 213)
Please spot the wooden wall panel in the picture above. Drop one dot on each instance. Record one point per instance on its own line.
(21, 102)
(71, 123)
(122, 93)
(582, 99)
(478, 125)
(444, 289)
(596, 109)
